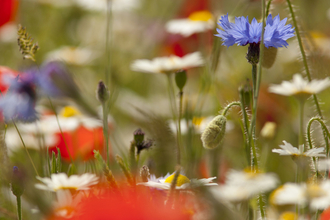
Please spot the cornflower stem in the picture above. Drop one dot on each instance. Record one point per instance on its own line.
(106, 132)
(256, 88)
(19, 207)
(59, 126)
(27, 152)
(252, 128)
(173, 107)
(309, 140)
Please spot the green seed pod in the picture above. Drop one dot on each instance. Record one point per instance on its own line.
(214, 132)
(181, 79)
(269, 57)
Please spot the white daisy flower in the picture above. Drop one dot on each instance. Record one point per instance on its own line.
(101, 5)
(183, 183)
(317, 196)
(288, 149)
(242, 185)
(298, 86)
(66, 204)
(168, 64)
(73, 55)
(197, 22)
(61, 181)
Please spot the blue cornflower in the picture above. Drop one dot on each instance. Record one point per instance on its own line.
(242, 32)
(19, 101)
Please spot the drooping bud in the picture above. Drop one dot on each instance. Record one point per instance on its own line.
(180, 79)
(144, 173)
(102, 92)
(214, 132)
(252, 55)
(17, 182)
(269, 57)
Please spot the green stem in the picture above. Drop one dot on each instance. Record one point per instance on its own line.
(227, 108)
(309, 139)
(19, 207)
(301, 121)
(179, 125)
(252, 128)
(27, 152)
(106, 133)
(173, 106)
(303, 54)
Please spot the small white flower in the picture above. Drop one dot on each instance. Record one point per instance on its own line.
(242, 185)
(168, 64)
(183, 183)
(299, 86)
(317, 196)
(197, 22)
(61, 181)
(288, 149)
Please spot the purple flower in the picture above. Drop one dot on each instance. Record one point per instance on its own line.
(242, 32)
(19, 102)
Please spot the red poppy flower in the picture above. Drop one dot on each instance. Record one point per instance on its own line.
(7, 11)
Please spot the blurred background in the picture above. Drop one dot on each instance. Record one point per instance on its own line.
(76, 32)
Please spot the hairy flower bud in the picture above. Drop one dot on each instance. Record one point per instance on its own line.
(214, 132)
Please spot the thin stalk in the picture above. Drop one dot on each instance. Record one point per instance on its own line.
(301, 122)
(27, 152)
(106, 132)
(309, 139)
(252, 128)
(173, 107)
(255, 102)
(19, 207)
(303, 54)
(179, 124)
(227, 108)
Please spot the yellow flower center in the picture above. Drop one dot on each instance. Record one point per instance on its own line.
(69, 111)
(197, 121)
(181, 179)
(250, 174)
(288, 216)
(314, 191)
(200, 16)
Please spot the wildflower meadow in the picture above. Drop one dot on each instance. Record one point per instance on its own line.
(164, 109)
